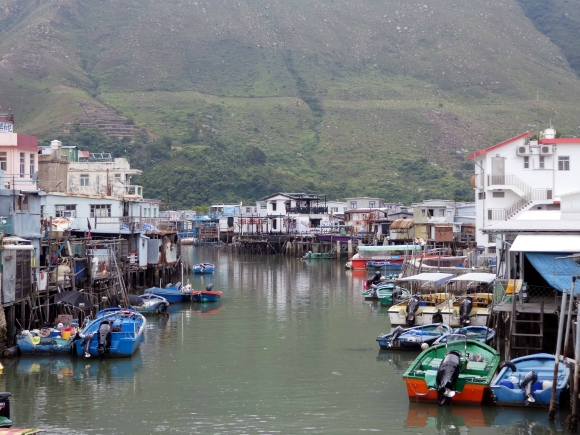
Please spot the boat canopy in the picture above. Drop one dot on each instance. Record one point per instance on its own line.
(435, 278)
(477, 277)
(387, 248)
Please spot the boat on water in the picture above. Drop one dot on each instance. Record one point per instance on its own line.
(390, 256)
(412, 338)
(113, 333)
(528, 380)
(480, 333)
(203, 268)
(423, 308)
(473, 306)
(149, 304)
(207, 295)
(389, 293)
(174, 294)
(57, 342)
(457, 372)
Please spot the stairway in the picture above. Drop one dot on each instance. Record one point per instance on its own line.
(526, 332)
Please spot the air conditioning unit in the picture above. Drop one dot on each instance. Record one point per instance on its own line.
(546, 149)
(523, 150)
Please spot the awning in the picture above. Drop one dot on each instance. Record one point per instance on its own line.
(546, 243)
(477, 277)
(436, 278)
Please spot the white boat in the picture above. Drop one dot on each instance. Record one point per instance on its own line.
(424, 307)
(476, 299)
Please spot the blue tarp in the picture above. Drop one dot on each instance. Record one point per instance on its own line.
(557, 273)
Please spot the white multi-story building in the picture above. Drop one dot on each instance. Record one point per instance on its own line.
(522, 174)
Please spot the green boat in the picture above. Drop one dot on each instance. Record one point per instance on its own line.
(385, 293)
(457, 372)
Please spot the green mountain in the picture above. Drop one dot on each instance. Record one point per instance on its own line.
(229, 100)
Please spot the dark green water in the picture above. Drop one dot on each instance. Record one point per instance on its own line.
(290, 350)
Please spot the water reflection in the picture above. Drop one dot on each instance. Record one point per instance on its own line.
(455, 420)
(400, 360)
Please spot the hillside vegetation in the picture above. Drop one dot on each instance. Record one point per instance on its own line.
(237, 98)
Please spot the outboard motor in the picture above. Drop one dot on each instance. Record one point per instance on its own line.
(412, 308)
(104, 337)
(446, 376)
(396, 294)
(396, 334)
(373, 292)
(464, 310)
(529, 380)
(374, 280)
(209, 287)
(86, 344)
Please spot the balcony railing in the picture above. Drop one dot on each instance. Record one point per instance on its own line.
(308, 210)
(148, 224)
(509, 180)
(541, 194)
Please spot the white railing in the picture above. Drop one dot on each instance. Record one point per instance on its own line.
(541, 194)
(509, 180)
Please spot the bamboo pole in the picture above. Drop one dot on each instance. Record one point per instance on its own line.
(552, 413)
(573, 422)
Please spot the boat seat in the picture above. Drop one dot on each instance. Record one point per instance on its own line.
(128, 327)
(431, 364)
(477, 368)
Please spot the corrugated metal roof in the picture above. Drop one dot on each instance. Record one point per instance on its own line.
(436, 278)
(478, 277)
(546, 243)
(401, 224)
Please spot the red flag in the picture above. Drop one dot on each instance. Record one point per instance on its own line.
(89, 226)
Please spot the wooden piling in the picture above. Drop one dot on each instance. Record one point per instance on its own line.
(552, 412)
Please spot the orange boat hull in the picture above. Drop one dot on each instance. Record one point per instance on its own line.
(418, 392)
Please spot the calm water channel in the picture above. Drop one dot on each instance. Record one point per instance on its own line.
(290, 350)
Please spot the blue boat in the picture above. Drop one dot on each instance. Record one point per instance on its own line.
(473, 332)
(203, 268)
(115, 333)
(31, 345)
(174, 294)
(413, 338)
(150, 304)
(527, 380)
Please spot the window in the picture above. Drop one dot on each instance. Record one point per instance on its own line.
(499, 194)
(273, 206)
(22, 163)
(353, 204)
(542, 162)
(274, 224)
(334, 209)
(41, 211)
(423, 212)
(65, 210)
(481, 195)
(263, 206)
(117, 178)
(563, 163)
(442, 212)
(22, 203)
(3, 161)
(248, 209)
(100, 210)
(84, 179)
(154, 212)
(31, 165)
(371, 204)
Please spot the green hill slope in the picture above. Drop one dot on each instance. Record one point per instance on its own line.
(333, 96)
